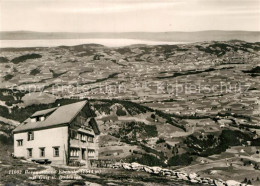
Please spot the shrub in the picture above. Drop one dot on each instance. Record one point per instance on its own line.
(160, 140)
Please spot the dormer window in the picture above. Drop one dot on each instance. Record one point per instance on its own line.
(37, 119)
(41, 115)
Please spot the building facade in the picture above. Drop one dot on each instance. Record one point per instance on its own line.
(62, 135)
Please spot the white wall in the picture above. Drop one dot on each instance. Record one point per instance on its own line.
(47, 138)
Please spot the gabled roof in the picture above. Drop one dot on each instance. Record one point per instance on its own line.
(61, 116)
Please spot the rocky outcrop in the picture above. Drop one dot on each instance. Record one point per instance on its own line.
(178, 175)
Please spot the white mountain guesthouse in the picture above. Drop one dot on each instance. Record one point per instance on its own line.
(62, 135)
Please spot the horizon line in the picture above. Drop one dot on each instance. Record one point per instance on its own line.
(130, 31)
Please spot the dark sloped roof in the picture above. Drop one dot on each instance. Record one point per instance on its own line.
(62, 115)
(94, 125)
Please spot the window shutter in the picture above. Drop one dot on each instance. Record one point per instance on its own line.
(73, 132)
(32, 135)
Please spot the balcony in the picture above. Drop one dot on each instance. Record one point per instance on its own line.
(91, 157)
(86, 130)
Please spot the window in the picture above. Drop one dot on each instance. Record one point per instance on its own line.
(74, 152)
(91, 151)
(81, 120)
(33, 120)
(37, 118)
(30, 136)
(42, 152)
(20, 142)
(90, 139)
(74, 134)
(83, 137)
(56, 151)
(29, 151)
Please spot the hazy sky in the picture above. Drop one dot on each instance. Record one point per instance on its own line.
(129, 15)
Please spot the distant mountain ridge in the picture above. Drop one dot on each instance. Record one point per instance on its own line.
(200, 36)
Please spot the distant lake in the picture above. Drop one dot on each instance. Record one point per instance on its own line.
(72, 42)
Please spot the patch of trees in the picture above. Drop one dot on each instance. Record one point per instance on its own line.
(35, 71)
(11, 96)
(7, 129)
(124, 50)
(120, 112)
(25, 57)
(10, 103)
(169, 119)
(183, 159)
(220, 49)
(191, 72)
(234, 137)
(55, 75)
(249, 162)
(153, 151)
(247, 181)
(8, 77)
(102, 79)
(254, 46)
(130, 130)
(6, 140)
(131, 107)
(147, 159)
(4, 60)
(4, 111)
(202, 145)
(160, 140)
(103, 107)
(98, 56)
(86, 52)
(167, 48)
(6, 97)
(256, 142)
(248, 118)
(153, 116)
(249, 126)
(254, 72)
(210, 144)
